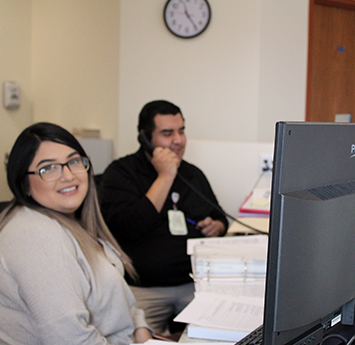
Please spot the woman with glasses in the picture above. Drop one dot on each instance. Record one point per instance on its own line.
(61, 270)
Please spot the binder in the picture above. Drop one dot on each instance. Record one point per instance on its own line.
(211, 262)
(229, 259)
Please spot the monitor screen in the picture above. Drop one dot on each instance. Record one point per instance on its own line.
(310, 283)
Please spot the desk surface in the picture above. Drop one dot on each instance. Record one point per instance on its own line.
(261, 223)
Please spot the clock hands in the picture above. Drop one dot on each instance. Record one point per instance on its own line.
(189, 17)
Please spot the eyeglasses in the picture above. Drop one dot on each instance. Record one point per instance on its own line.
(53, 172)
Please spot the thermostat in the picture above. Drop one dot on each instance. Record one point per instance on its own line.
(11, 95)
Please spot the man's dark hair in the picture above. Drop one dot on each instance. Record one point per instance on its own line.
(150, 110)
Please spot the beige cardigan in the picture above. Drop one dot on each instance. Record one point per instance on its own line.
(50, 295)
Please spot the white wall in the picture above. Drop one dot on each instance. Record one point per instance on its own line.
(232, 168)
(245, 72)
(15, 64)
(283, 64)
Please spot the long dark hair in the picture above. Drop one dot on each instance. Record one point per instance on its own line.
(24, 150)
(89, 224)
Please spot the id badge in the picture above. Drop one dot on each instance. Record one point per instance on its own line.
(177, 223)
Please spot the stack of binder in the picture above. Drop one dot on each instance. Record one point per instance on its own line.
(229, 274)
(228, 258)
(224, 262)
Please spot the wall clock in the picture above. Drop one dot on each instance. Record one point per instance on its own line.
(187, 18)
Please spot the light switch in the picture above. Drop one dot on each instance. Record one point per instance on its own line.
(11, 95)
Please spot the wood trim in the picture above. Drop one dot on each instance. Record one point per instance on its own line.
(348, 4)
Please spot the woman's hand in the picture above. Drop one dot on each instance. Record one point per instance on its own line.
(141, 335)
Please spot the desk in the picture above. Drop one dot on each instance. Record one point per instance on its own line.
(261, 223)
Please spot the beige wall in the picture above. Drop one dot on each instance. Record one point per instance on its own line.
(65, 55)
(15, 64)
(94, 63)
(75, 54)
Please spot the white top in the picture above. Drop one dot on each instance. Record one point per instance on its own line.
(50, 295)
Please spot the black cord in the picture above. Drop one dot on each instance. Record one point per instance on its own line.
(193, 188)
(258, 180)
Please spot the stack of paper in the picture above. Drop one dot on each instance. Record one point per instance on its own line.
(222, 317)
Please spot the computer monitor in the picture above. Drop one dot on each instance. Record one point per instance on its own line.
(310, 282)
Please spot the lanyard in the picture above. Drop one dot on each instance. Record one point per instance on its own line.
(175, 198)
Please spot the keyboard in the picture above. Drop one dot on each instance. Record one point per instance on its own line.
(253, 338)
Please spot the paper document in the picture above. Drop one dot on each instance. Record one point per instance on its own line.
(226, 312)
(205, 333)
(257, 202)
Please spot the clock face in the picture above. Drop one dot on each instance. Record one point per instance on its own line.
(187, 18)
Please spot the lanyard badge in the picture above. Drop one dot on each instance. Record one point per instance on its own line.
(177, 222)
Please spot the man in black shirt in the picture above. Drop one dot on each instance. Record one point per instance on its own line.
(152, 212)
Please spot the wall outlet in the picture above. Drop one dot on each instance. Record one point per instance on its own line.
(266, 164)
